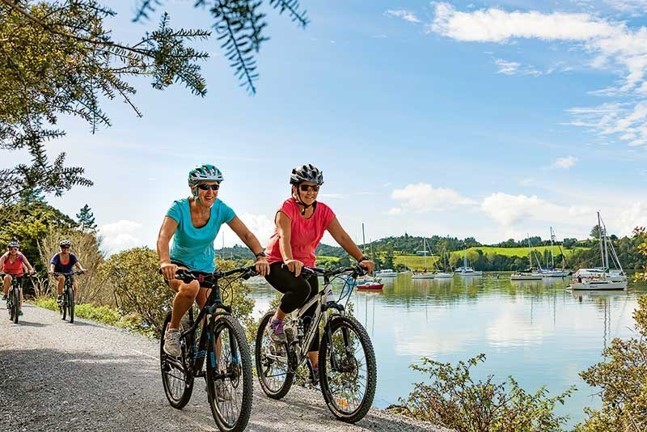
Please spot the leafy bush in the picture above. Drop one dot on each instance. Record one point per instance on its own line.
(622, 378)
(455, 401)
(138, 287)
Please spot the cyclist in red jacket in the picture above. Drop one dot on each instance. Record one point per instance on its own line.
(13, 264)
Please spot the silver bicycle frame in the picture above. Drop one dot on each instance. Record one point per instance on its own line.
(316, 319)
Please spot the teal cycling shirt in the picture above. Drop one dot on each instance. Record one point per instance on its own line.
(193, 246)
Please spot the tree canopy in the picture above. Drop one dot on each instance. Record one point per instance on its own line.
(59, 58)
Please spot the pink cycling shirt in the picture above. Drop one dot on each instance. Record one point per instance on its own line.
(305, 233)
(13, 268)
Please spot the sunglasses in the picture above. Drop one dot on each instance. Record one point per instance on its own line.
(65, 247)
(205, 187)
(306, 188)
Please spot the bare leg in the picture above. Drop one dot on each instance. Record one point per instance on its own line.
(186, 294)
(7, 283)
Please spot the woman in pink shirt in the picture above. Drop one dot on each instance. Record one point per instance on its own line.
(300, 224)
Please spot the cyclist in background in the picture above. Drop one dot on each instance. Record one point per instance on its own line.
(300, 224)
(194, 223)
(13, 264)
(64, 262)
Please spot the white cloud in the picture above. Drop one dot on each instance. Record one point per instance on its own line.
(564, 162)
(423, 197)
(509, 210)
(612, 46)
(514, 68)
(260, 225)
(121, 235)
(631, 6)
(403, 14)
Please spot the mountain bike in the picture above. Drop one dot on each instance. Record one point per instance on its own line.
(67, 303)
(221, 340)
(347, 367)
(13, 297)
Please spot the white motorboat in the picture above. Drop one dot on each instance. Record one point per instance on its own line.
(386, 273)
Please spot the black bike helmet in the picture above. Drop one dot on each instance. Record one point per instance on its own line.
(309, 173)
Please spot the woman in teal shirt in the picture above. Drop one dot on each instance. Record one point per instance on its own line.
(194, 223)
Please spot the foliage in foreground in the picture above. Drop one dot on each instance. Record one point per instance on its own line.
(140, 290)
(454, 400)
(622, 378)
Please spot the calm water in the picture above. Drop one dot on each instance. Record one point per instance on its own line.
(536, 331)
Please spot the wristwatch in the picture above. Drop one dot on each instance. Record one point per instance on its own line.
(260, 254)
(363, 258)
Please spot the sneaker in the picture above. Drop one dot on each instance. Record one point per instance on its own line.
(172, 343)
(19, 313)
(4, 297)
(275, 331)
(222, 392)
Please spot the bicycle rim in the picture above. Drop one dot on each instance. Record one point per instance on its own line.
(178, 385)
(272, 366)
(347, 369)
(229, 375)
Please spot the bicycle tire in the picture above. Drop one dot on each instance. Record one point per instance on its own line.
(230, 385)
(64, 304)
(178, 385)
(275, 384)
(10, 307)
(341, 376)
(16, 304)
(70, 304)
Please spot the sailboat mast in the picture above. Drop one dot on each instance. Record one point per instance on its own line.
(552, 241)
(363, 240)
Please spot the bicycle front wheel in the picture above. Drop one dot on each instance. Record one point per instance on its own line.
(10, 302)
(70, 304)
(347, 369)
(16, 304)
(229, 375)
(178, 383)
(272, 363)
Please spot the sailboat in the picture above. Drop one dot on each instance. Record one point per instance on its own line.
(366, 281)
(465, 270)
(530, 273)
(602, 278)
(425, 274)
(444, 274)
(552, 271)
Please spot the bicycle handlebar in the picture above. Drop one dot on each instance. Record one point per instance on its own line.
(356, 270)
(187, 276)
(76, 272)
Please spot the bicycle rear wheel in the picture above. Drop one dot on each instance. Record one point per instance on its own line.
(178, 384)
(347, 369)
(272, 366)
(70, 304)
(229, 375)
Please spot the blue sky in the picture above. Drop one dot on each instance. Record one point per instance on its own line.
(461, 119)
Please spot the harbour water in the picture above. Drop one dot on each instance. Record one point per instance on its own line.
(536, 331)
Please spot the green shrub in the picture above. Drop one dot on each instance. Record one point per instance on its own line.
(455, 401)
(622, 378)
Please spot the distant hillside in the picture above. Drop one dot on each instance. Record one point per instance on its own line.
(242, 252)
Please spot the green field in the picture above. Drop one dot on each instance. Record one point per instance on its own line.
(417, 262)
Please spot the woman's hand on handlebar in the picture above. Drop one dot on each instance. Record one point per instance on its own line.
(294, 266)
(168, 270)
(367, 265)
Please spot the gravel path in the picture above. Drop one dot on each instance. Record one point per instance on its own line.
(56, 376)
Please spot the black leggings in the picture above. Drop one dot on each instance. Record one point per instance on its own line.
(296, 292)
